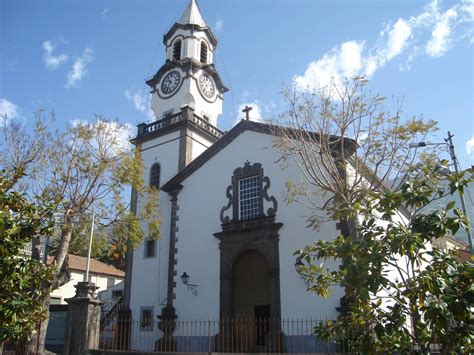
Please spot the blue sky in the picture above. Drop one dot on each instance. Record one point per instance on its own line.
(81, 58)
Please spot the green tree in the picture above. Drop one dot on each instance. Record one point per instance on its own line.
(404, 294)
(87, 168)
(354, 161)
(25, 282)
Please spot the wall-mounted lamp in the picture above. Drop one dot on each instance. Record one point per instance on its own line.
(299, 270)
(191, 287)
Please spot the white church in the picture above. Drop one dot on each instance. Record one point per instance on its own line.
(227, 235)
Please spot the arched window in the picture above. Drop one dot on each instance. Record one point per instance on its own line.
(155, 175)
(203, 52)
(177, 50)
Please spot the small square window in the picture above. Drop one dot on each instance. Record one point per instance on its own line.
(150, 248)
(146, 318)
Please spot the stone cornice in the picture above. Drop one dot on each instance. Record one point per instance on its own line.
(192, 28)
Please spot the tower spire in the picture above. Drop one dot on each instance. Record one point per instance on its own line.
(192, 15)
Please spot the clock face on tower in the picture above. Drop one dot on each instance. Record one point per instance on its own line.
(206, 85)
(170, 82)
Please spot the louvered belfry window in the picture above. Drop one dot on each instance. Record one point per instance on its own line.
(203, 52)
(177, 50)
(155, 175)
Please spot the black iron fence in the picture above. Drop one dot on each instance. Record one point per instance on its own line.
(228, 335)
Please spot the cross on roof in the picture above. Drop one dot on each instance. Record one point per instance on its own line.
(247, 110)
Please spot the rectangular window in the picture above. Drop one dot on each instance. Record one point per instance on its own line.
(249, 197)
(150, 248)
(146, 318)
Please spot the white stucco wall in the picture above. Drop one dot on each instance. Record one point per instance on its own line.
(200, 201)
(200, 144)
(68, 290)
(163, 150)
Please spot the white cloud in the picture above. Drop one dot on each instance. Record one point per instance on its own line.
(397, 38)
(50, 60)
(141, 102)
(8, 110)
(470, 147)
(219, 27)
(79, 68)
(345, 61)
(255, 114)
(432, 32)
(441, 39)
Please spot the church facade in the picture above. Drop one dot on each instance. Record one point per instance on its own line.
(227, 235)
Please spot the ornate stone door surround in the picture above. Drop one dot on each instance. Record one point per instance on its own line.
(259, 234)
(239, 235)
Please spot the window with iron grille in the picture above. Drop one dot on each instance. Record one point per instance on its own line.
(249, 197)
(177, 50)
(155, 175)
(146, 318)
(246, 195)
(203, 52)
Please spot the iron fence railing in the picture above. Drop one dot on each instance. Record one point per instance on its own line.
(228, 335)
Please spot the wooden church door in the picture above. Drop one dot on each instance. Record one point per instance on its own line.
(250, 299)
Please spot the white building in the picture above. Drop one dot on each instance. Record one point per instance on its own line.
(101, 274)
(225, 224)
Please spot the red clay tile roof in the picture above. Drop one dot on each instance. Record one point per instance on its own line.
(96, 267)
(464, 255)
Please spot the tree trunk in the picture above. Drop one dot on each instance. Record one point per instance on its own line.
(36, 343)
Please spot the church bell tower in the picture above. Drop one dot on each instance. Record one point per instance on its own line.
(186, 92)
(186, 98)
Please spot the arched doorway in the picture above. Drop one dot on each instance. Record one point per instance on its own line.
(249, 245)
(251, 297)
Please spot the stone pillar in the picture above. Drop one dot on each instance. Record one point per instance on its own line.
(167, 324)
(141, 129)
(187, 113)
(83, 320)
